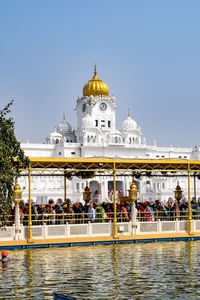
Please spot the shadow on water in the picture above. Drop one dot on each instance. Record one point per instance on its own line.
(133, 271)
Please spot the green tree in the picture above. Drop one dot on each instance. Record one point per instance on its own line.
(10, 151)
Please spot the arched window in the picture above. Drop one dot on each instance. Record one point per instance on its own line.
(129, 140)
(57, 141)
(88, 139)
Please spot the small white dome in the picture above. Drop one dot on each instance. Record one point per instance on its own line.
(88, 122)
(129, 124)
(55, 134)
(64, 127)
(54, 138)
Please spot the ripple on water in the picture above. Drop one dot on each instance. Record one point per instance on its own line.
(132, 271)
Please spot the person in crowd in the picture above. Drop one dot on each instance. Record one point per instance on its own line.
(70, 214)
(147, 213)
(52, 216)
(124, 212)
(171, 211)
(100, 215)
(197, 212)
(163, 214)
(152, 212)
(91, 213)
(78, 210)
(59, 212)
(34, 214)
(108, 211)
(51, 202)
(141, 208)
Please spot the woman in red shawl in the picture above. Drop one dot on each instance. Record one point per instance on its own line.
(148, 214)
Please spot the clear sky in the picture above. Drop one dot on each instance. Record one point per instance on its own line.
(147, 52)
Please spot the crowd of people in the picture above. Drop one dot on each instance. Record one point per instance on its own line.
(60, 212)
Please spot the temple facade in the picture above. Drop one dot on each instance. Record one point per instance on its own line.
(96, 135)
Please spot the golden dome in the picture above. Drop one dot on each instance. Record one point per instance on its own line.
(95, 87)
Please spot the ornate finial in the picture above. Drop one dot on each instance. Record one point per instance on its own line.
(64, 118)
(129, 113)
(95, 69)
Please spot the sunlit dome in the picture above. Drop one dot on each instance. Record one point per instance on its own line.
(129, 124)
(55, 134)
(95, 87)
(64, 127)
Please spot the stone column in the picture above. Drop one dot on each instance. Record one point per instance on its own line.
(17, 221)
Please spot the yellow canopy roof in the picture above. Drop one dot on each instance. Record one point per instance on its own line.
(98, 164)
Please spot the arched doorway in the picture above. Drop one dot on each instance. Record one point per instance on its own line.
(95, 190)
(119, 189)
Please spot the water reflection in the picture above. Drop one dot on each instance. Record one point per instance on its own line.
(133, 271)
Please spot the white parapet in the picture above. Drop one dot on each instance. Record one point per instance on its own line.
(98, 229)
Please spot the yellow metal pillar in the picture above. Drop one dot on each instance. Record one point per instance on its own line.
(114, 202)
(189, 204)
(65, 187)
(195, 191)
(29, 204)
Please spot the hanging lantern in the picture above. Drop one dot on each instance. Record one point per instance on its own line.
(178, 193)
(17, 194)
(87, 194)
(133, 192)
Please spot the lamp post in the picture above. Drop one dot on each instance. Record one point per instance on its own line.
(87, 194)
(178, 194)
(133, 195)
(65, 187)
(195, 192)
(17, 199)
(29, 207)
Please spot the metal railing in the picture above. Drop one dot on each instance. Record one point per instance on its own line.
(162, 216)
(75, 218)
(84, 218)
(8, 220)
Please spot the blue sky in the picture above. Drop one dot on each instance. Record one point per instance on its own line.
(147, 52)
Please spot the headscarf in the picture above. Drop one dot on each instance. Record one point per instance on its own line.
(4, 253)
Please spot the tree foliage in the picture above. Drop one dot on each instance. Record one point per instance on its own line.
(9, 150)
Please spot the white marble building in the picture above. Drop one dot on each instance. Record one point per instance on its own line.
(96, 136)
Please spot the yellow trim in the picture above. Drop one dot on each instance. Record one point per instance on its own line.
(172, 165)
(98, 239)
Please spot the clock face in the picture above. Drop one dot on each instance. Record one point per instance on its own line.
(103, 106)
(84, 107)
